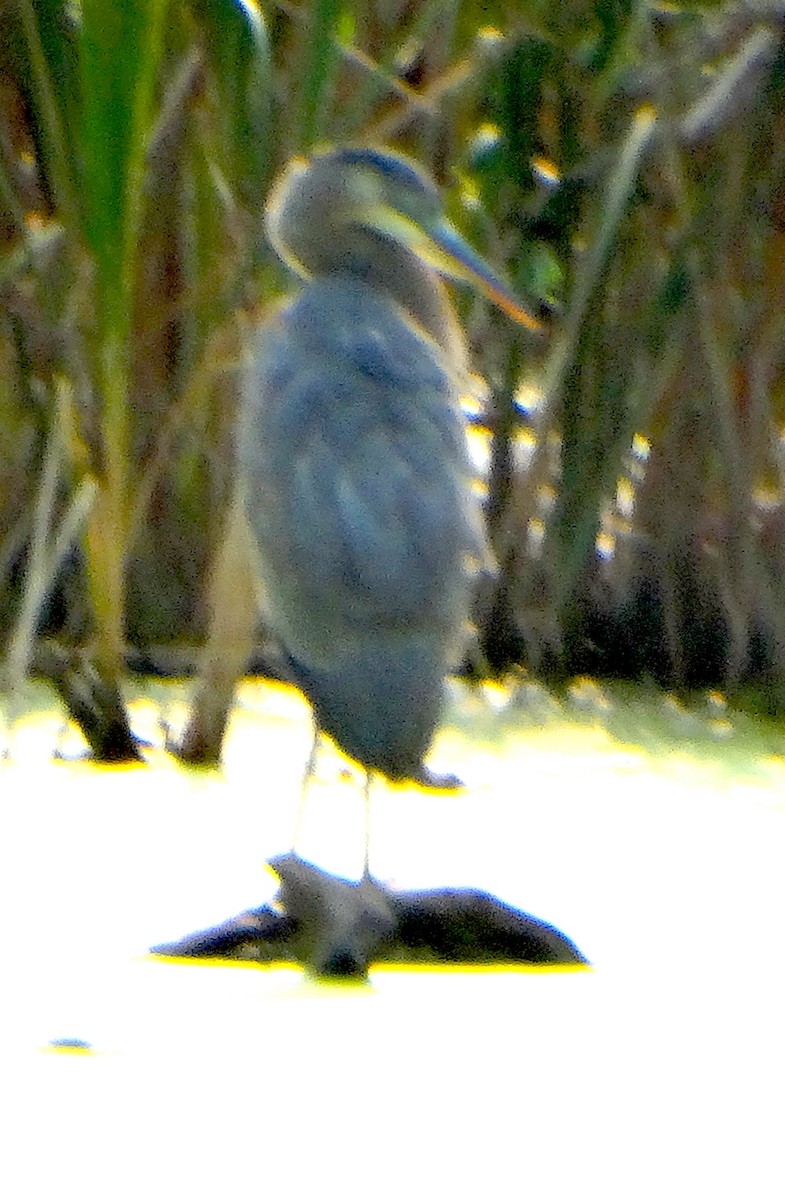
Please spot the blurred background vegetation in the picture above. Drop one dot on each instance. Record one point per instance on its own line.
(623, 162)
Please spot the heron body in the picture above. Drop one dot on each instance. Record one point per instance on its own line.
(353, 455)
(365, 524)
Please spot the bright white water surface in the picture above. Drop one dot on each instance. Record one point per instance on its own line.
(661, 1073)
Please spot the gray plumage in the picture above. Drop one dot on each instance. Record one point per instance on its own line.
(359, 495)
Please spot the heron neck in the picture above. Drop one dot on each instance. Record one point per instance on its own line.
(416, 287)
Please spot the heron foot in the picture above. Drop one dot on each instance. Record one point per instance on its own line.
(437, 782)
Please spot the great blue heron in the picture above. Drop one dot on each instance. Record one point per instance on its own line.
(353, 456)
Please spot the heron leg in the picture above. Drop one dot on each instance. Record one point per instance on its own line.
(367, 846)
(310, 768)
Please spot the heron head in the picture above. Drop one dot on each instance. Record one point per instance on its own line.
(318, 202)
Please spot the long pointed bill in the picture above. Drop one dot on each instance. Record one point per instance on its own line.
(444, 249)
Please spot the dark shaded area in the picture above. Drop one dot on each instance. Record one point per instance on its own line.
(337, 928)
(612, 641)
(677, 635)
(181, 661)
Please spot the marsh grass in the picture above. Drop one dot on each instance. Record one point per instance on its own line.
(623, 166)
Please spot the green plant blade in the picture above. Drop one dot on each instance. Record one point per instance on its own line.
(120, 46)
(237, 47)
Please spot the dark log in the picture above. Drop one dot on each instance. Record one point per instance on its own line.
(250, 935)
(336, 927)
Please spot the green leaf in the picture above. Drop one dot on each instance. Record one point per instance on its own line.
(120, 47)
(237, 46)
(321, 59)
(514, 101)
(49, 78)
(591, 431)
